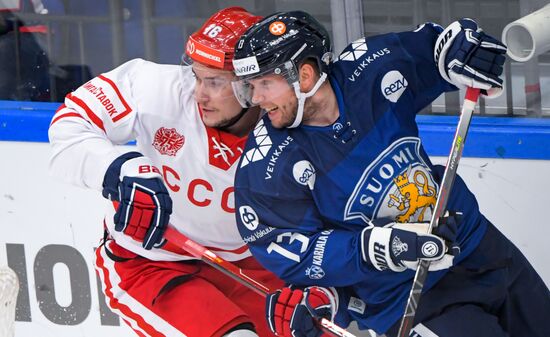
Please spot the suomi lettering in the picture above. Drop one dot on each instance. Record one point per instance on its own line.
(385, 172)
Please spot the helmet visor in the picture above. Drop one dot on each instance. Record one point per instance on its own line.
(266, 86)
(211, 83)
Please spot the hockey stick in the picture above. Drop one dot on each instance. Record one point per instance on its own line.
(447, 183)
(236, 273)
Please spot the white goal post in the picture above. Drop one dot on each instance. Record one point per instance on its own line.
(9, 287)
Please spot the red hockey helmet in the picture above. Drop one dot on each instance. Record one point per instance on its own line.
(213, 44)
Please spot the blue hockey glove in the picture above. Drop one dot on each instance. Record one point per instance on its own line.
(290, 312)
(144, 205)
(466, 56)
(399, 246)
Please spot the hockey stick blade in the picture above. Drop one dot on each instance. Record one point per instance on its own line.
(236, 273)
(441, 204)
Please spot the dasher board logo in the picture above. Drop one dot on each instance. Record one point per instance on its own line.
(397, 185)
(168, 141)
(359, 48)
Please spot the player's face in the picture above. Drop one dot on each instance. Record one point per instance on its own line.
(214, 95)
(274, 95)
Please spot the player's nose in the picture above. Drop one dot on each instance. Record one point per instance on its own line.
(201, 95)
(257, 97)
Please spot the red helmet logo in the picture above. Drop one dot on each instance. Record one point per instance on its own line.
(190, 47)
(214, 42)
(168, 141)
(277, 28)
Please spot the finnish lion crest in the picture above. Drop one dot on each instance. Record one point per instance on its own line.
(397, 185)
(412, 197)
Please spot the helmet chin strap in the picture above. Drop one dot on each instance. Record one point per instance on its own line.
(302, 98)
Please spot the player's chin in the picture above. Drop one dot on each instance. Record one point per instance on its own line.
(210, 121)
(277, 120)
(280, 124)
(218, 123)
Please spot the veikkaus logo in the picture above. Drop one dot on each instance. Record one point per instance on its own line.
(359, 48)
(393, 85)
(263, 145)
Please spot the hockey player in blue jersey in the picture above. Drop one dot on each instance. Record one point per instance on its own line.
(334, 189)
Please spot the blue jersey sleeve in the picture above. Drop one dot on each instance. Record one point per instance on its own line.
(397, 70)
(285, 232)
(420, 46)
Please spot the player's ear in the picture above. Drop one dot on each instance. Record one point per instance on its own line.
(308, 76)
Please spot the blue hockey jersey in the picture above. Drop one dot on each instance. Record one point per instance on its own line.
(303, 195)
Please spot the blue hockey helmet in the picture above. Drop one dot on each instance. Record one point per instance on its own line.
(279, 44)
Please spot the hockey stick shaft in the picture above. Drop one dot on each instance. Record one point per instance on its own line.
(236, 273)
(441, 204)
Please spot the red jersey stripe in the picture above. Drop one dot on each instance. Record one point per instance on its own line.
(91, 115)
(115, 88)
(68, 114)
(114, 302)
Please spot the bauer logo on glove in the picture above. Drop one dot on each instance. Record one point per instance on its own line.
(144, 205)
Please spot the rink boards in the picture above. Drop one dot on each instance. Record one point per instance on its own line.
(49, 229)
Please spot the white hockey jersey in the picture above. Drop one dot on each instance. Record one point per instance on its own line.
(154, 105)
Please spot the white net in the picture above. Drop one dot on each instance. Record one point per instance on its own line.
(9, 287)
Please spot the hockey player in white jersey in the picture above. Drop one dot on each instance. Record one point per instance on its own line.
(190, 132)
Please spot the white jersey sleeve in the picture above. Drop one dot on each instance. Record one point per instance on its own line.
(93, 119)
(154, 105)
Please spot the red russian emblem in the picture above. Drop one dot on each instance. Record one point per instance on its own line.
(168, 141)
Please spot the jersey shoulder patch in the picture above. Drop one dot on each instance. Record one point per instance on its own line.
(273, 160)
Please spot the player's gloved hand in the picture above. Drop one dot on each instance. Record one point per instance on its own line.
(399, 246)
(466, 56)
(291, 312)
(144, 203)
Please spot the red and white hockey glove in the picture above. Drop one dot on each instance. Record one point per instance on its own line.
(144, 203)
(291, 312)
